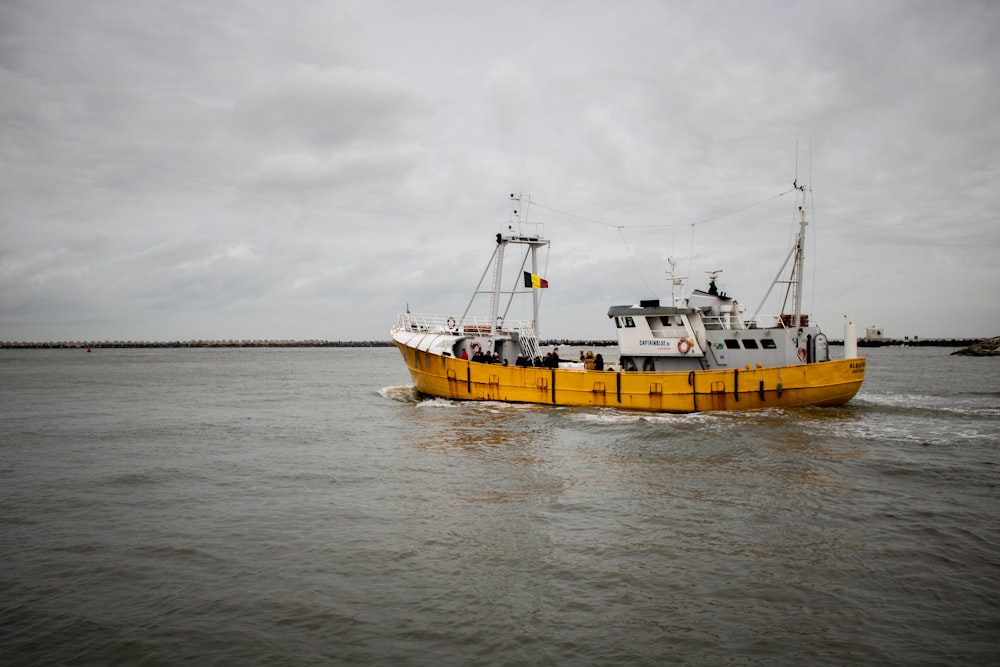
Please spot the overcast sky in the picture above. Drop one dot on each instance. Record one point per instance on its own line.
(303, 169)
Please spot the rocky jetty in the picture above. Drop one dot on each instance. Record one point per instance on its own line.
(984, 348)
(101, 344)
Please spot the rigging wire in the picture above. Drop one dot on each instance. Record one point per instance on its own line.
(634, 263)
(812, 207)
(813, 263)
(673, 225)
(691, 252)
(666, 224)
(545, 272)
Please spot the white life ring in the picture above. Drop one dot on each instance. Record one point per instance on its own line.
(802, 354)
(684, 346)
(476, 347)
(451, 323)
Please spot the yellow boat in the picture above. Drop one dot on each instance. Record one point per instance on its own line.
(697, 354)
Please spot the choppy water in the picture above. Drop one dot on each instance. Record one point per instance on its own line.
(302, 506)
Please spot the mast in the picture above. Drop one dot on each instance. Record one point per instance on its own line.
(794, 283)
(495, 296)
(676, 282)
(522, 232)
(798, 266)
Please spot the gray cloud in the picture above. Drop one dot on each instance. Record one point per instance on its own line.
(305, 170)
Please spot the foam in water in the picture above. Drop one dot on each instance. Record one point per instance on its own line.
(401, 393)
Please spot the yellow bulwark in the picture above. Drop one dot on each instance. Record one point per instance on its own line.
(825, 383)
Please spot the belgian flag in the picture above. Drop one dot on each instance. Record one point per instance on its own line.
(531, 280)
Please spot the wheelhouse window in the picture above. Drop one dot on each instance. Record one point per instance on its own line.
(732, 344)
(768, 343)
(750, 343)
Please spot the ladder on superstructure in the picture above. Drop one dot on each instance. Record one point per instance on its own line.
(528, 341)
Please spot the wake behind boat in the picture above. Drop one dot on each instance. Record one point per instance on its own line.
(697, 354)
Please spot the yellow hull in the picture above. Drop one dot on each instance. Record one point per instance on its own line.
(816, 384)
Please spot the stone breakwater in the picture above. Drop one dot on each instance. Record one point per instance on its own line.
(984, 348)
(192, 343)
(911, 342)
(50, 345)
(972, 346)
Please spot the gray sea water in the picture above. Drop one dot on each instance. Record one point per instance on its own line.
(303, 506)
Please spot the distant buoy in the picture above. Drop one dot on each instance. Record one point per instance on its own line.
(88, 348)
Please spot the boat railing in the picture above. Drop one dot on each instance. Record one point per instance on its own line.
(724, 322)
(773, 322)
(755, 323)
(470, 326)
(727, 322)
(528, 232)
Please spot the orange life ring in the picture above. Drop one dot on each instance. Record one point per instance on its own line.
(684, 346)
(476, 347)
(802, 354)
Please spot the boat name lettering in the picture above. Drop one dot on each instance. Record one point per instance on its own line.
(657, 343)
